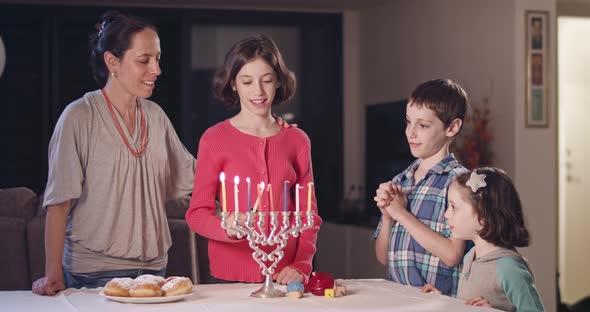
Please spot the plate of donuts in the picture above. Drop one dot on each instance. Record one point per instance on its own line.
(148, 289)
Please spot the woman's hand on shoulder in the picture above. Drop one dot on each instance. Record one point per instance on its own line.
(48, 285)
(283, 123)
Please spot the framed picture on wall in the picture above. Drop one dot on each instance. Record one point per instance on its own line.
(537, 69)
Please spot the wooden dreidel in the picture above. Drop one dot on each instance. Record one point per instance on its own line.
(340, 291)
(329, 292)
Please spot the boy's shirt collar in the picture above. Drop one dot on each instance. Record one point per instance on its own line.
(443, 166)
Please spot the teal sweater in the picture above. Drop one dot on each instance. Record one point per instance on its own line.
(503, 277)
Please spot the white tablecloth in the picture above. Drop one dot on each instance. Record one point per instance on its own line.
(362, 295)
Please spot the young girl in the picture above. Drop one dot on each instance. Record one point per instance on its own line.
(252, 144)
(485, 207)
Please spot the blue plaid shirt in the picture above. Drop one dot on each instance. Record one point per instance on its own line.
(407, 261)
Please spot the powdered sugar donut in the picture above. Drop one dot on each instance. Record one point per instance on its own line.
(149, 278)
(118, 287)
(147, 285)
(176, 285)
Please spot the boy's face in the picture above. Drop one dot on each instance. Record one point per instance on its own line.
(461, 215)
(425, 132)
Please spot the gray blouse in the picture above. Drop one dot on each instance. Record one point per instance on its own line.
(118, 219)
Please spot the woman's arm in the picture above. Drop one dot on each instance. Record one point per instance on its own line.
(55, 232)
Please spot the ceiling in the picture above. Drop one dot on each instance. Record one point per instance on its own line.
(320, 5)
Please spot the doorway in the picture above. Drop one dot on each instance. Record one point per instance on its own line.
(574, 147)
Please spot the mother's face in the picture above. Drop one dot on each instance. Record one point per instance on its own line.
(139, 68)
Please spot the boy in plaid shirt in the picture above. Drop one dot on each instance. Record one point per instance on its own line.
(413, 238)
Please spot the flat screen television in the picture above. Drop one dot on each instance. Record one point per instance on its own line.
(387, 149)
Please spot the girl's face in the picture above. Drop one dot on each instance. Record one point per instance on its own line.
(139, 67)
(256, 84)
(461, 215)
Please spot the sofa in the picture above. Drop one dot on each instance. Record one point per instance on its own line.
(22, 249)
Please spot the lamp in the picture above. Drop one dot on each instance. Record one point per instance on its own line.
(2, 56)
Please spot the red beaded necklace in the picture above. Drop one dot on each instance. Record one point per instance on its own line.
(143, 135)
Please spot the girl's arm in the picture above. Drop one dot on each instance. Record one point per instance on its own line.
(200, 215)
(518, 284)
(306, 245)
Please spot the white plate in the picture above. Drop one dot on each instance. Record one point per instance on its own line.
(145, 299)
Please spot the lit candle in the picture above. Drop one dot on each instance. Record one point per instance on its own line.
(297, 187)
(248, 182)
(260, 190)
(223, 202)
(285, 196)
(309, 189)
(272, 206)
(236, 182)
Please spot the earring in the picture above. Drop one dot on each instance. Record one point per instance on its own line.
(114, 74)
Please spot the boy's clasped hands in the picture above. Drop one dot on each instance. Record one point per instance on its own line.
(391, 200)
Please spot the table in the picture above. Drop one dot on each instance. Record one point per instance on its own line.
(362, 295)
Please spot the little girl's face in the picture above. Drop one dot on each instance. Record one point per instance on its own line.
(461, 215)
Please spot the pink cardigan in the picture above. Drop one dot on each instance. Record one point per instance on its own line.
(284, 156)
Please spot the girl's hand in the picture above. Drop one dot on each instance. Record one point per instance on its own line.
(430, 289)
(478, 302)
(288, 275)
(230, 220)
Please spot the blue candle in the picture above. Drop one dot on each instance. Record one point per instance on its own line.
(248, 181)
(285, 196)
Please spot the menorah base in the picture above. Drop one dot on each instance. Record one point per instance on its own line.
(268, 290)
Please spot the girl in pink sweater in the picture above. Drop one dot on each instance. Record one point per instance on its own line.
(253, 144)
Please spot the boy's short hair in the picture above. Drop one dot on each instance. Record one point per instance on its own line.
(498, 208)
(445, 97)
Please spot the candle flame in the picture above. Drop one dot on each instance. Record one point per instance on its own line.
(236, 180)
(248, 179)
(222, 177)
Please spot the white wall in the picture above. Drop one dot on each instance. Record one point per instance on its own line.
(405, 43)
(479, 44)
(536, 160)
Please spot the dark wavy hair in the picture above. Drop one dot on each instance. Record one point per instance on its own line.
(445, 97)
(498, 208)
(243, 52)
(114, 34)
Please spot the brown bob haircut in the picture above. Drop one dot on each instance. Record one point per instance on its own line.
(498, 208)
(446, 98)
(246, 50)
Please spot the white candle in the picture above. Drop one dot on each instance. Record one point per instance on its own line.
(236, 182)
(249, 202)
(297, 187)
(260, 190)
(223, 201)
(270, 196)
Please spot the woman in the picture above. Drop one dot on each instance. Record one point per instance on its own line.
(114, 159)
(252, 144)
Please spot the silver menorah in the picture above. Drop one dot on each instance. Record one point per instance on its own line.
(254, 231)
